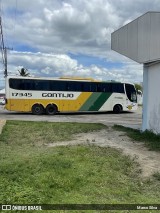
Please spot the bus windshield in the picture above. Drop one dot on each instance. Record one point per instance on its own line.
(131, 92)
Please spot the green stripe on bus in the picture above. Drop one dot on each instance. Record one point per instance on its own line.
(95, 101)
(90, 101)
(100, 101)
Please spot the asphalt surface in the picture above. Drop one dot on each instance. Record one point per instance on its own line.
(129, 119)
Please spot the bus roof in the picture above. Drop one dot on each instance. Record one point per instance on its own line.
(66, 78)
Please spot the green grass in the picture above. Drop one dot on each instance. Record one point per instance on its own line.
(31, 172)
(39, 133)
(151, 140)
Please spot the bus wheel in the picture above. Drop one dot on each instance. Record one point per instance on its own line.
(117, 109)
(51, 109)
(37, 109)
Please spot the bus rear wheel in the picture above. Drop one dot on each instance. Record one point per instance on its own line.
(37, 109)
(51, 109)
(117, 109)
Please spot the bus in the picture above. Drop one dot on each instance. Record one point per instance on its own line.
(53, 95)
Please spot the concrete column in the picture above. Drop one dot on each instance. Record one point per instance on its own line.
(151, 97)
(145, 99)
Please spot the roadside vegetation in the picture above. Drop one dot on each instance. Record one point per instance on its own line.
(31, 172)
(151, 140)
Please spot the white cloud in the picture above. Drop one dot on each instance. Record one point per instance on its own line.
(55, 65)
(68, 26)
(72, 26)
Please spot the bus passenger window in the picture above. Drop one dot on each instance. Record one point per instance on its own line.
(106, 87)
(100, 88)
(93, 87)
(117, 87)
(86, 87)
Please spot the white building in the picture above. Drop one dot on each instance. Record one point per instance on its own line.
(2, 92)
(140, 41)
(2, 96)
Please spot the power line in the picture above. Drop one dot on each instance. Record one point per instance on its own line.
(1, 38)
(2, 41)
(3, 48)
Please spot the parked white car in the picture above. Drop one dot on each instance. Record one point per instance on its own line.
(2, 101)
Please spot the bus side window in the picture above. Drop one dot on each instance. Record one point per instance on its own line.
(117, 87)
(20, 84)
(100, 87)
(70, 86)
(11, 84)
(62, 85)
(74, 86)
(93, 87)
(86, 87)
(15, 83)
(41, 85)
(103, 87)
(58, 86)
(27, 85)
(37, 85)
(78, 86)
(106, 87)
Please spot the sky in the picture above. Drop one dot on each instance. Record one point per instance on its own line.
(55, 38)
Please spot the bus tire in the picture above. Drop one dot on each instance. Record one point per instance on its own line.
(37, 109)
(51, 109)
(117, 109)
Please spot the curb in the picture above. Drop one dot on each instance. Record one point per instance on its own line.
(2, 123)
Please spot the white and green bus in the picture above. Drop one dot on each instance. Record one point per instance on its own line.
(52, 95)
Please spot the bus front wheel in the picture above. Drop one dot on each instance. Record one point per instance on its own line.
(37, 109)
(51, 109)
(117, 109)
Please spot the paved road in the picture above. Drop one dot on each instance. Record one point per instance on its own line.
(131, 119)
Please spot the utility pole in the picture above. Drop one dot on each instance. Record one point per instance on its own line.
(2, 41)
(5, 60)
(3, 49)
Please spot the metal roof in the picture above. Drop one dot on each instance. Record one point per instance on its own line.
(139, 40)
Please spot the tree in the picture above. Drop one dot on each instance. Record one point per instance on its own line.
(138, 87)
(23, 72)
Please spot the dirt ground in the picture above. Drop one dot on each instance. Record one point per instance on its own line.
(149, 160)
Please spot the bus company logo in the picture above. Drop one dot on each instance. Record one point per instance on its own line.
(58, 95)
